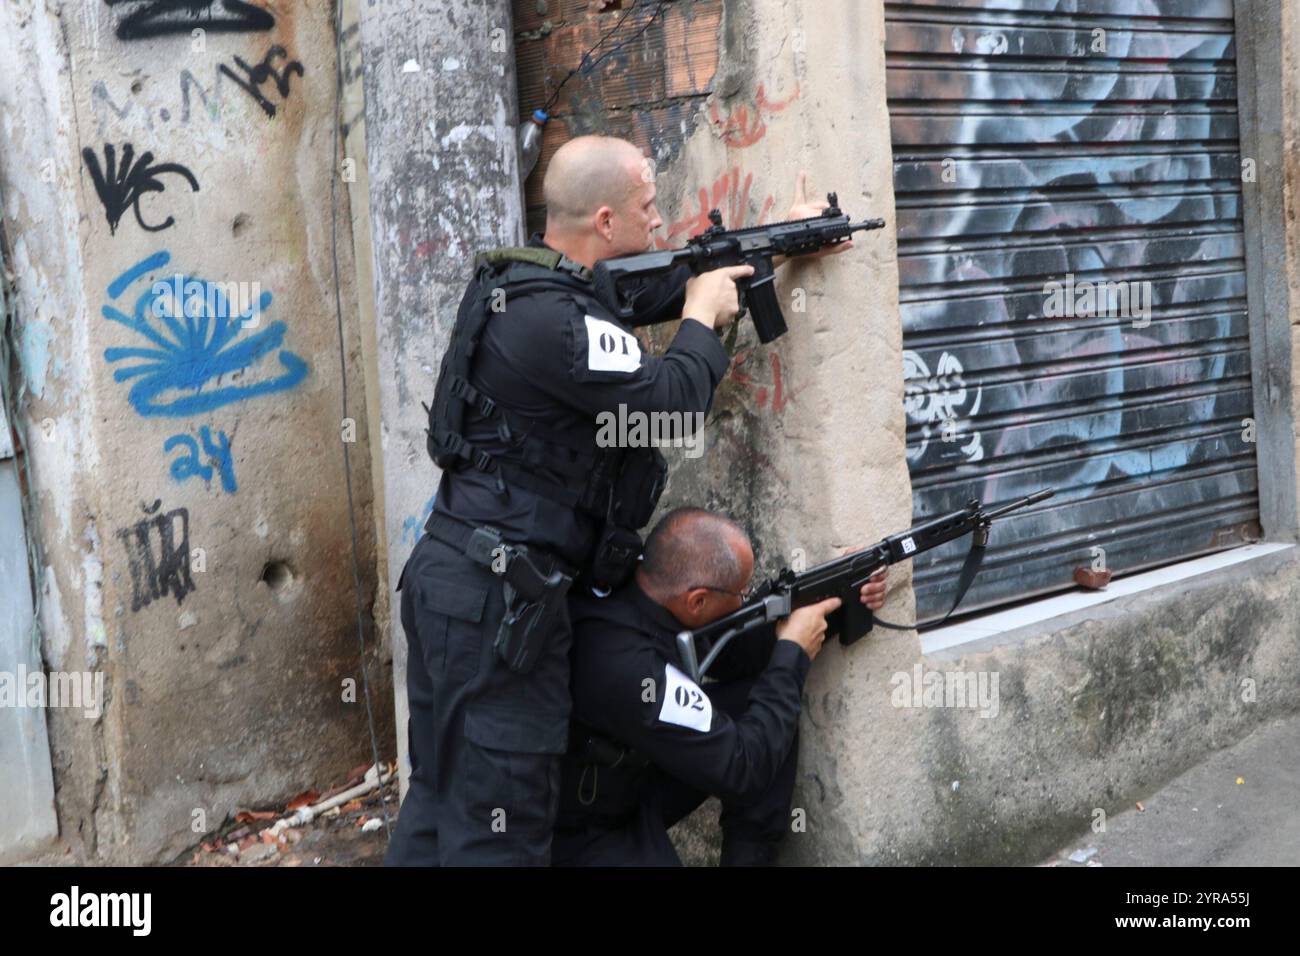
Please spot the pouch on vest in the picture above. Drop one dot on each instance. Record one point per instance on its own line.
(638, 487)
(499, 275)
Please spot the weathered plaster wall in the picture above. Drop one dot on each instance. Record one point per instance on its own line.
(816, 419)
(189, 473)
(444, 185)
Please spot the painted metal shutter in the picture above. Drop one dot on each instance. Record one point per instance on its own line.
(1072, 141)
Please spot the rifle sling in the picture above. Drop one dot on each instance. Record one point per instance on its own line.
(970, 567)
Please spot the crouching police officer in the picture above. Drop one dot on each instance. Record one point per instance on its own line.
(648, 744)
(527, 502)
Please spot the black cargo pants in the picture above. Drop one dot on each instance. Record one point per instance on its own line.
(485, 743)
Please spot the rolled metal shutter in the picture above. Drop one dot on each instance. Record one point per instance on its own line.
(1092, 144)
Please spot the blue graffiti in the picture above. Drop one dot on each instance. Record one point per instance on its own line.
(196, 332)
(189, 466)
(412, 526)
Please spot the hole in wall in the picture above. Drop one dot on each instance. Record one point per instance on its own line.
(137, 86)
(239, 224)
(278, 576)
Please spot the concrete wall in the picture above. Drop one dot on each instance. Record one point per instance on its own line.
(189, 472)
(444, 184)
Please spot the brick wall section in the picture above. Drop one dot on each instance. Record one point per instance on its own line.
(649, 92)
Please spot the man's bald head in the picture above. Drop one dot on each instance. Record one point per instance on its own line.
(693, 548)
(586, 173)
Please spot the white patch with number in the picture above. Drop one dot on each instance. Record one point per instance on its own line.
(684, 703)
(908, 546)
(609, 348)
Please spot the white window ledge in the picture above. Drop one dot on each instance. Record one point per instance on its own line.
(1054, 613)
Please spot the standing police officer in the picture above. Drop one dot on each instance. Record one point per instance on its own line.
(528, 502)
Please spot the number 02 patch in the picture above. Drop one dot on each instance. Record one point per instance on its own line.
(684, 703)
(609, 348)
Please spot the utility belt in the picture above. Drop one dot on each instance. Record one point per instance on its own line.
(536, 587)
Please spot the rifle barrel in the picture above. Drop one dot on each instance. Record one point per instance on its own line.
(1024, 502)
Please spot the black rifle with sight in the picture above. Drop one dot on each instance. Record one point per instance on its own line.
(716, 248)
(844, 578)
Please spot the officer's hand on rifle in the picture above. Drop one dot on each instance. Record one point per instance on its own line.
(806, 626)
(803, 208)
(873, 592)
(711, 297)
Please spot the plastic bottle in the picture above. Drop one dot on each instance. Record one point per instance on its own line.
(530, 143)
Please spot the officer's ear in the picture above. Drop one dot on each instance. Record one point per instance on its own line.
(694, 603)
(604, 222)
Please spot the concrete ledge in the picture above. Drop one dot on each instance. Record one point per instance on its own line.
(1018, 624)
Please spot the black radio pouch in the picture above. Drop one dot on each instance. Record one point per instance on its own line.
(635, 494)
(638, 487)
(616, 554)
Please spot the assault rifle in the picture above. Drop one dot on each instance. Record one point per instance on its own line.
(844, 577)
(716, 248)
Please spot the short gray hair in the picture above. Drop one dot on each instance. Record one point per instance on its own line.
(691, 547)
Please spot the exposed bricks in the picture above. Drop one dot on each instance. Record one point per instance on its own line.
(531, 14)
(691, 47)
(648, 92)
(634, 74)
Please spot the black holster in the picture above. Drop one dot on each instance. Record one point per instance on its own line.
(536, 588)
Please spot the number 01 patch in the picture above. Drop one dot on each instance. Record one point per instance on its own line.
(609, 348)
(684, 703)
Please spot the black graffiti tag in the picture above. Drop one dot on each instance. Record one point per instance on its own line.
(121, 188)
(155, 18)
(257, 75)
(153, 577)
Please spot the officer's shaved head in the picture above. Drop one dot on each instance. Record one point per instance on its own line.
(586, 173)
(691, 548)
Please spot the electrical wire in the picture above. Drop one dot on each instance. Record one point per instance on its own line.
(336, 122)
(585, 68)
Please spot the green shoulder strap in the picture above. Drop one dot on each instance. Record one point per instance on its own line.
(546, 258)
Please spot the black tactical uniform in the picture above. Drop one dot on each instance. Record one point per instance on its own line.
(486, 739)
(649, 745)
